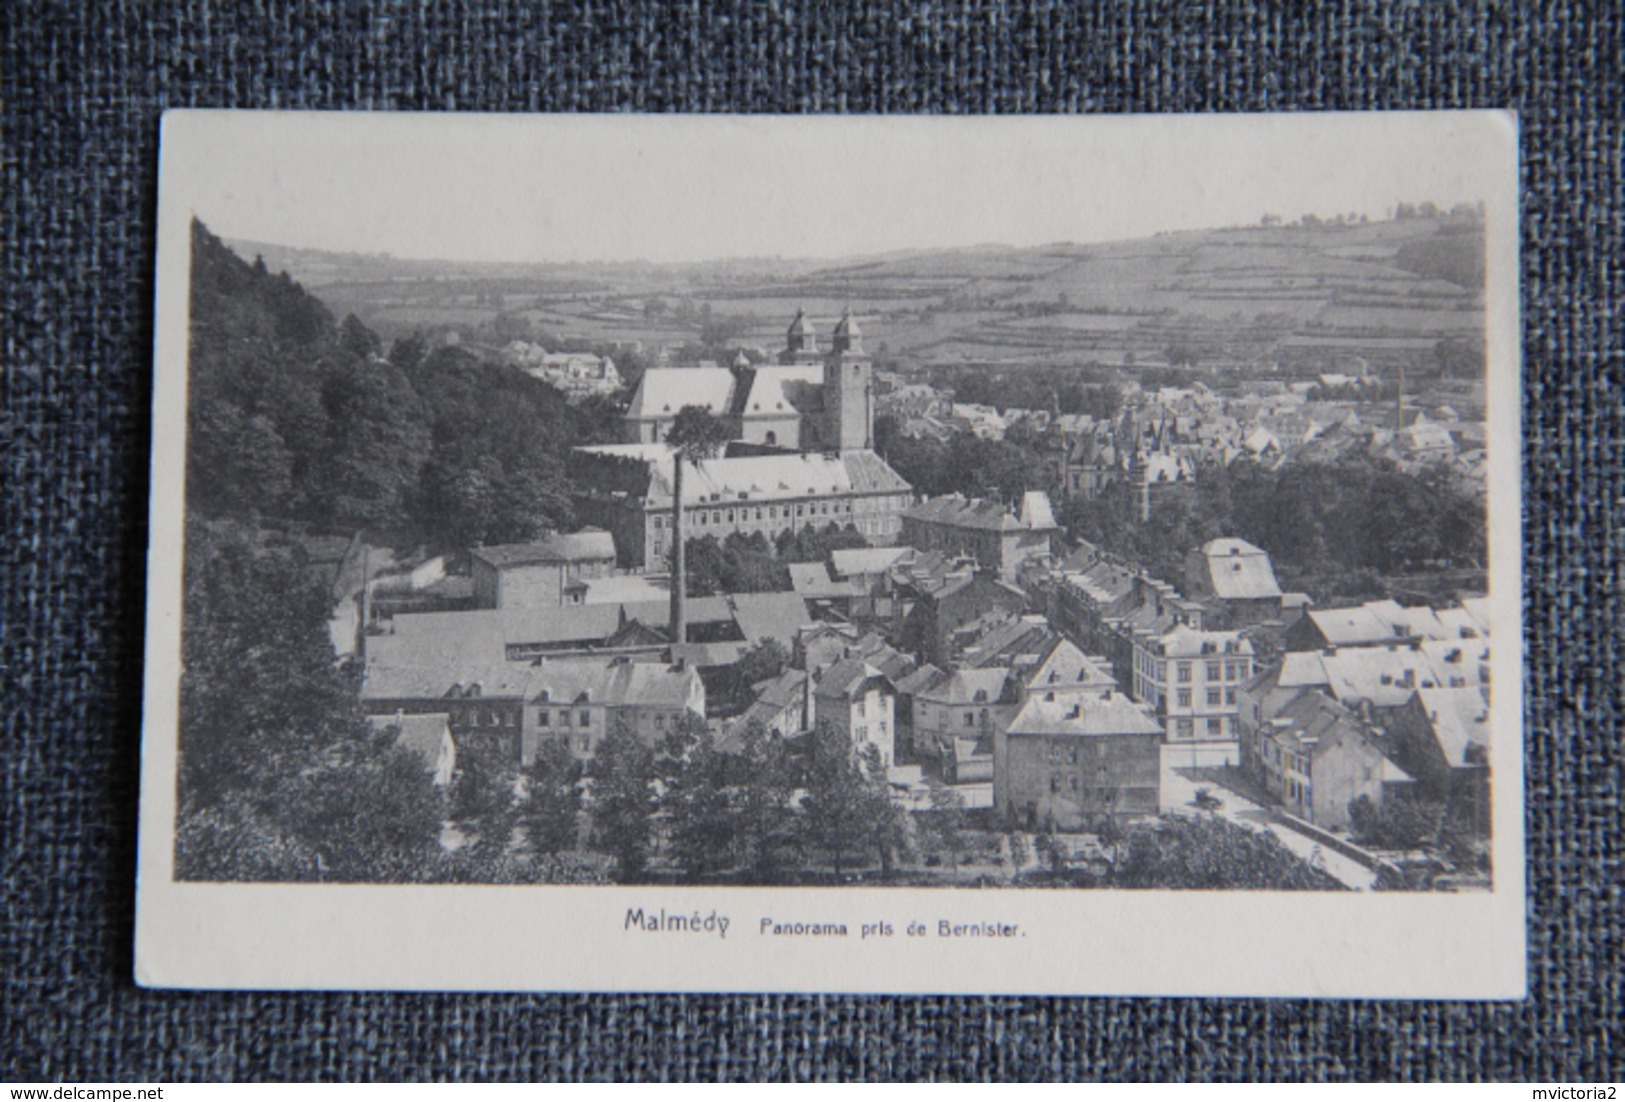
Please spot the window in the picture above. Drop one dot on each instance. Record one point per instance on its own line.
(1212, 671)
(1229, 671)
(1230, 696)
(660, 721)
(586, 719)
(1054, 782)
(1187, 728)
(543, 718)
(1215, 726)
(730, 516)
(660, 522)
(1214, 696)
(1184, 698)
(586, 744)
(857, 707)
(1184, 671)
(564, 718)
(970, 719)
(860, 731)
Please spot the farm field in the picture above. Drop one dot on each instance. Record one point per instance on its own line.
(1257, 292)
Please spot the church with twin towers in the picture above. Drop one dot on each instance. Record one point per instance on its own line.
(802, 451)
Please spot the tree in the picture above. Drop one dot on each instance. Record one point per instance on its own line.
(552, 806)
(848, 814)
(1396, 824)
(944, 824)
(281, 776)
(623, 800)
(762, 661)
(484, 799)
(697, 799)
(1210, 854)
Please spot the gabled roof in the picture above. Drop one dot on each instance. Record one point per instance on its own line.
(589, 544)
(847, 677)
(753, 479)
(1459, 719)
(956, 511)
(1064, 666)
(867, 560)
(983, 686)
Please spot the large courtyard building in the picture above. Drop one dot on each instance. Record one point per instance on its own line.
(803, 454)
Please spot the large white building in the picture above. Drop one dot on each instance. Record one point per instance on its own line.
(804, 457)
(1191, 678)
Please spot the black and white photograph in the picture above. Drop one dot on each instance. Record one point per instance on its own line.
(1004, 555)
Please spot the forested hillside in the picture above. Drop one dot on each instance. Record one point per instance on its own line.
(300, 422)
(296, 416)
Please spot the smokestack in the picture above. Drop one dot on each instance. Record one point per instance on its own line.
(679, 567)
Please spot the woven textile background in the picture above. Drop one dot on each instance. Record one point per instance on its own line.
(82, 90)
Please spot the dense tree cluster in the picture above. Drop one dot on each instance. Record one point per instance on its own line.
(1324, 524)
(1211, 853)
(967, 463)
(293, 415)
(281, 776)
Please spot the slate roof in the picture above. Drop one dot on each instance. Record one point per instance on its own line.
(587, 545)
(1082, 715)
(664, 390)
(753, 479)
(956, 511)
(1459, 719)
(867, 560)
(1238, 571)
(847, 676)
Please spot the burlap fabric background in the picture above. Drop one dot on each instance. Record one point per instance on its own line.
(83, 87)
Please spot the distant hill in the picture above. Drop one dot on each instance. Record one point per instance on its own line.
(1381, 291)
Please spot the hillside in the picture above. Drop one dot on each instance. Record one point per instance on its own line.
(1326, 293)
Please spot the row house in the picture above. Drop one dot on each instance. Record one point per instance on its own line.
(1316, 757)
(514, 707)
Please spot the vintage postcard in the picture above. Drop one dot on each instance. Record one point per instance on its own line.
(1016, 555)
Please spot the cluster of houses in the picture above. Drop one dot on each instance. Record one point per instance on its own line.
(969, 644)
(577, 374)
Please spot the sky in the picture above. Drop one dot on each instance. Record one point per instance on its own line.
(551, 189)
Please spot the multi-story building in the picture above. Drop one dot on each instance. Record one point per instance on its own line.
(1190, 679)
(1316, 757)
(998, 540)
(804, 459)
(859, 701)
(627, 489)
(1237, 581)
(1066, 760)
(517, 706)
(545, 574)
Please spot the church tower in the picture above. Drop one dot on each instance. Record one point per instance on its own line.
(801, 343)
(849, 416)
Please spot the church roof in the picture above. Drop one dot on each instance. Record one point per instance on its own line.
(664, 390)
